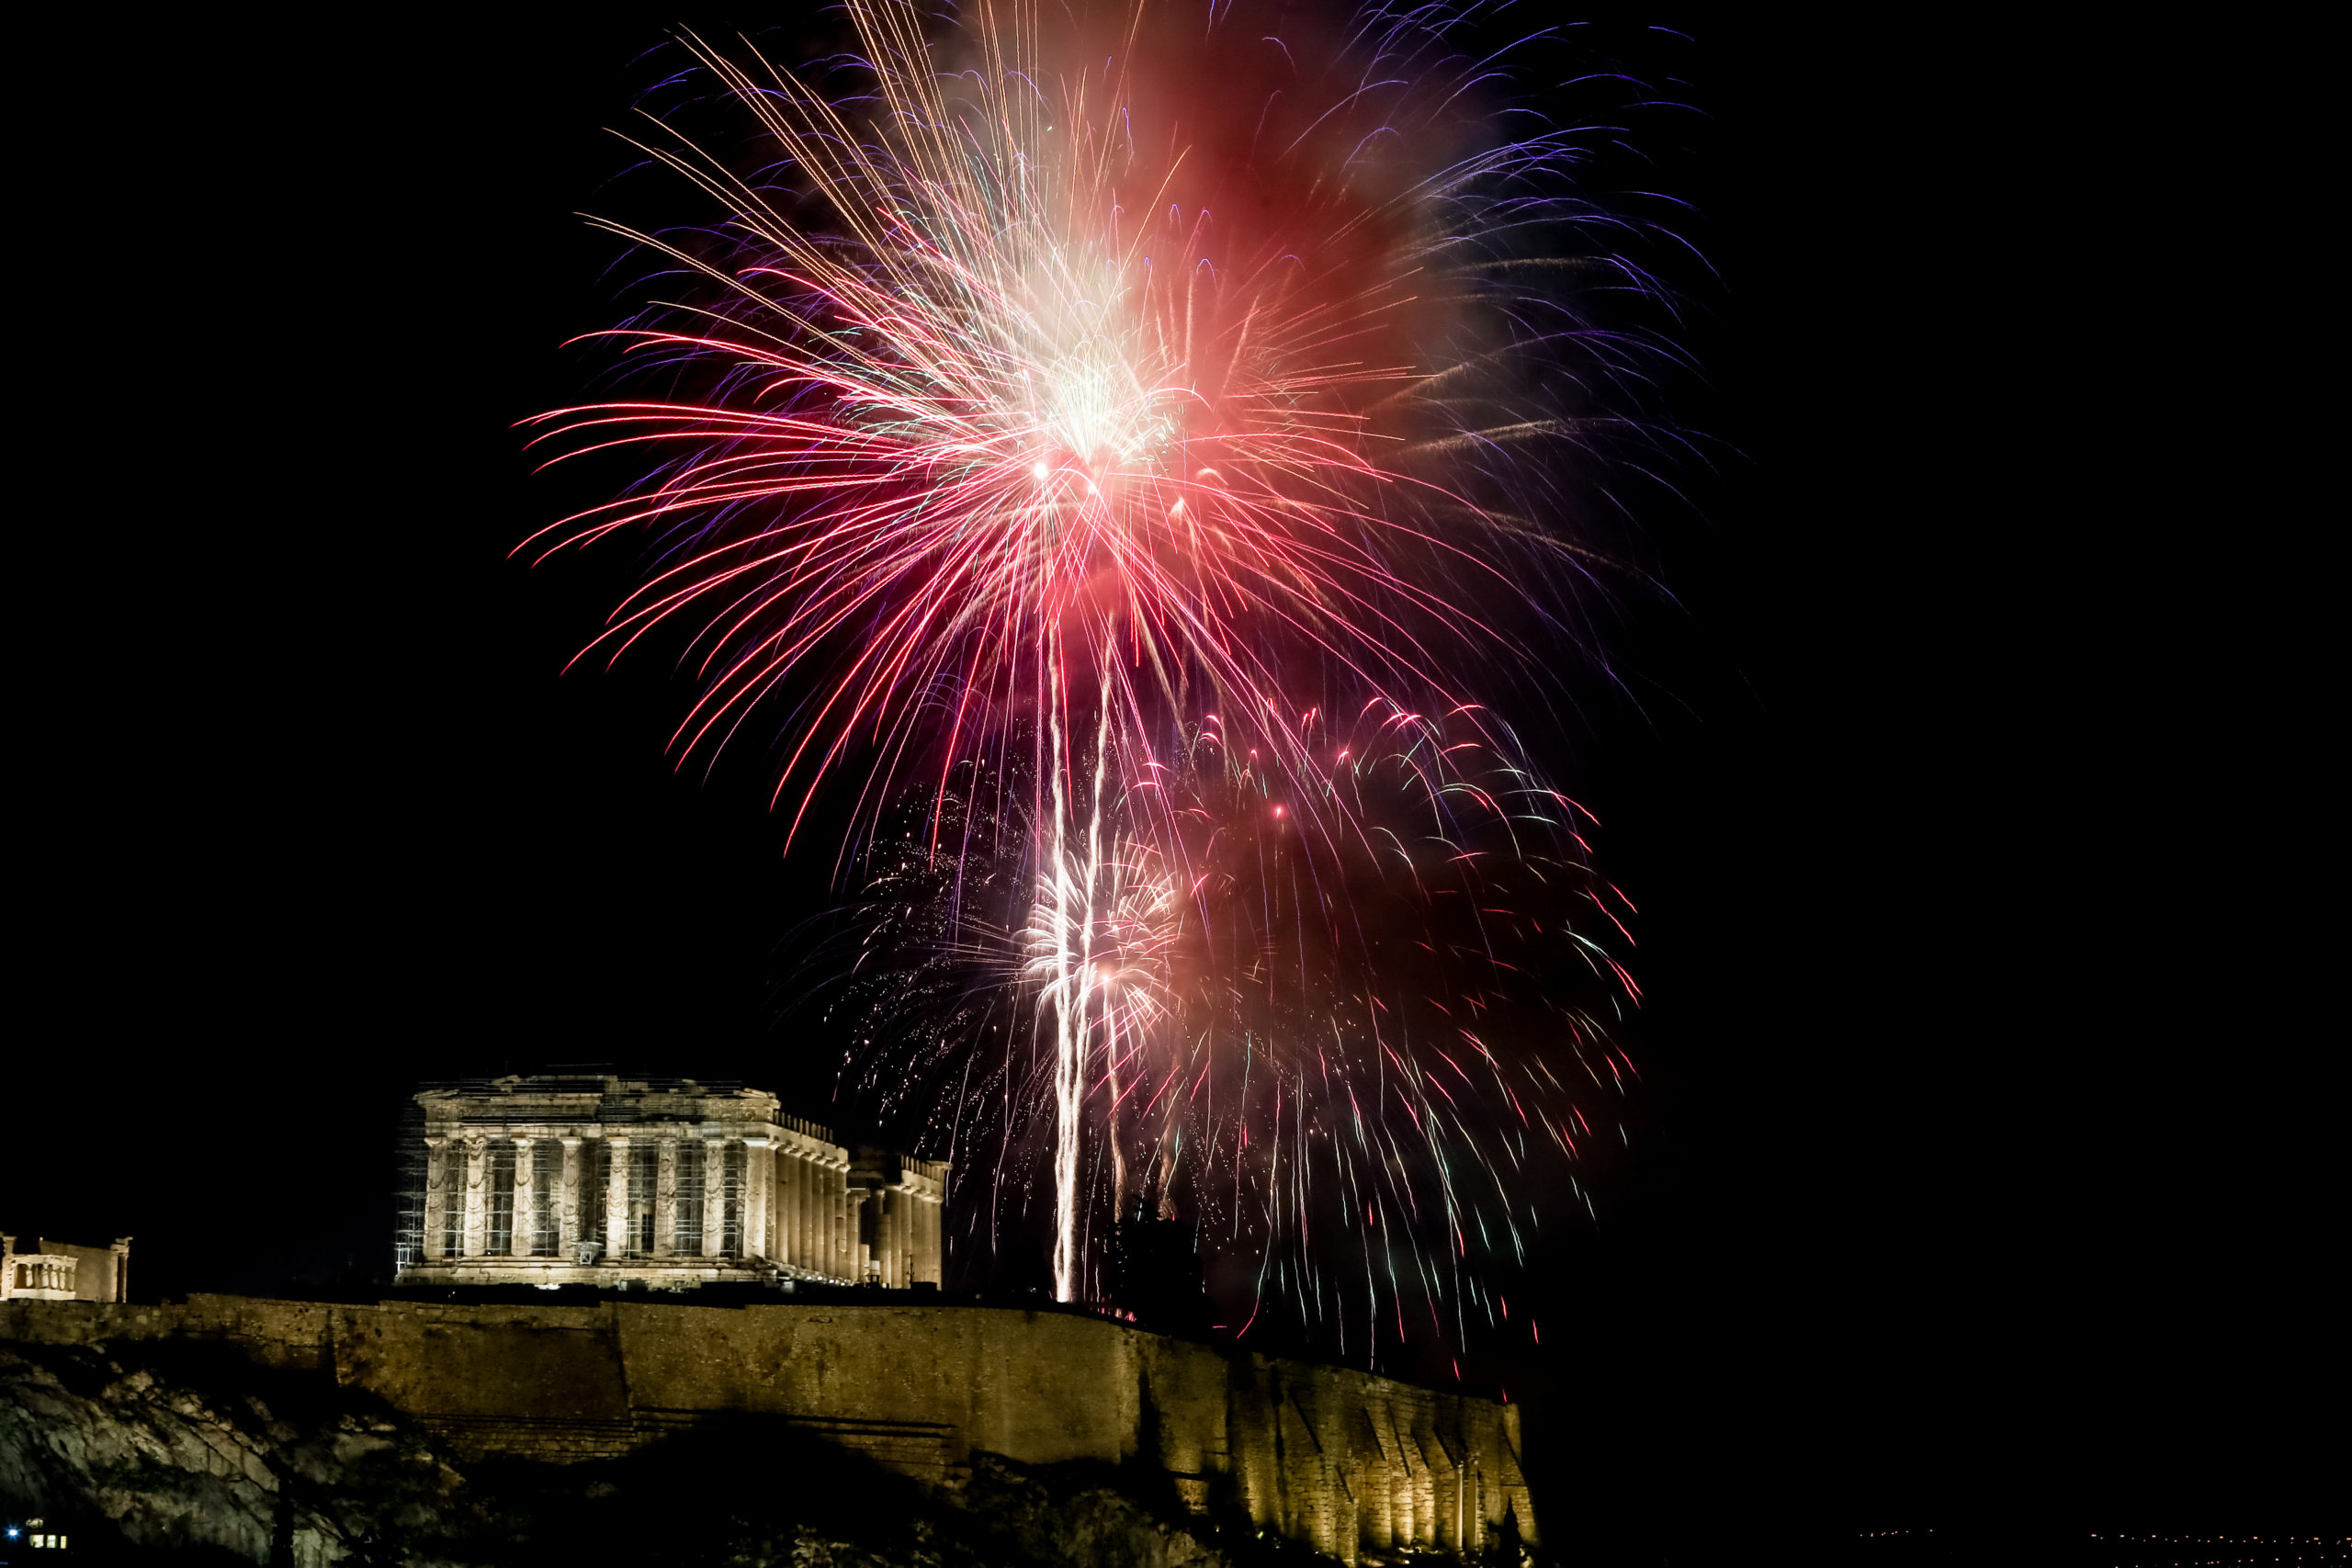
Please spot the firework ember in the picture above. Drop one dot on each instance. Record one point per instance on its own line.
(1126, 447)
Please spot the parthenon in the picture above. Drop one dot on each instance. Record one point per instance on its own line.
(655, 1183)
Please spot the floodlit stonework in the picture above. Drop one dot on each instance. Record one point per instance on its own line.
(63, 1271)
(657, 1183)
(1358, 1467)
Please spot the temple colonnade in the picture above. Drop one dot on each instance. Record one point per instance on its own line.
(651, 1184)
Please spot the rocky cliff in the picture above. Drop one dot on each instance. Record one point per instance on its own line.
(193, 1446)
(1216, 1441)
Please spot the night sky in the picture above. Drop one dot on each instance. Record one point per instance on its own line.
(1977, 1179)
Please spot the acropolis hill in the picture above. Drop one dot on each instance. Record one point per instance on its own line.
(727, 1283)
(1358, 1467)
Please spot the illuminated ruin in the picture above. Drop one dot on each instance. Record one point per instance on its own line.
(652, 1183)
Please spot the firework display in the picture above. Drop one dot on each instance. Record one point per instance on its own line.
(1125, 456)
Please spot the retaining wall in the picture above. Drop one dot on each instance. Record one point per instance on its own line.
(1343, 1460)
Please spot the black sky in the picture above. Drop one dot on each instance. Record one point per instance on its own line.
(1980, 1175)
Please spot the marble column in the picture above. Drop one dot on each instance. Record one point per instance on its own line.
(909, 1236)
(477, 1232)
(917, 1238)
(617, 1201)
(436, 1197)
(804, 1207)
(902, 1227)
(788, 1204)
(756, 1153)
(804, 1210)
(714, 1197)
(886, 1235)
(918, 1222)
(761, 1169)
(825, 1225)
(787, 1197)
(525, 1232)
(780, 1174)
(821, 1210)
(805, 1221)
(665, 1199)
(791, 1191)
(787, 1194)
(828, 1213)
(568, 1201)
(864, 1220)
(844, 1236)
(909, 1227)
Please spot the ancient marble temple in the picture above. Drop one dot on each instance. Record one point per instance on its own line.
(659, 1183)
(63, 1271)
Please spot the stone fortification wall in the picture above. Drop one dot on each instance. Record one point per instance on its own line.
(1339, 1459)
